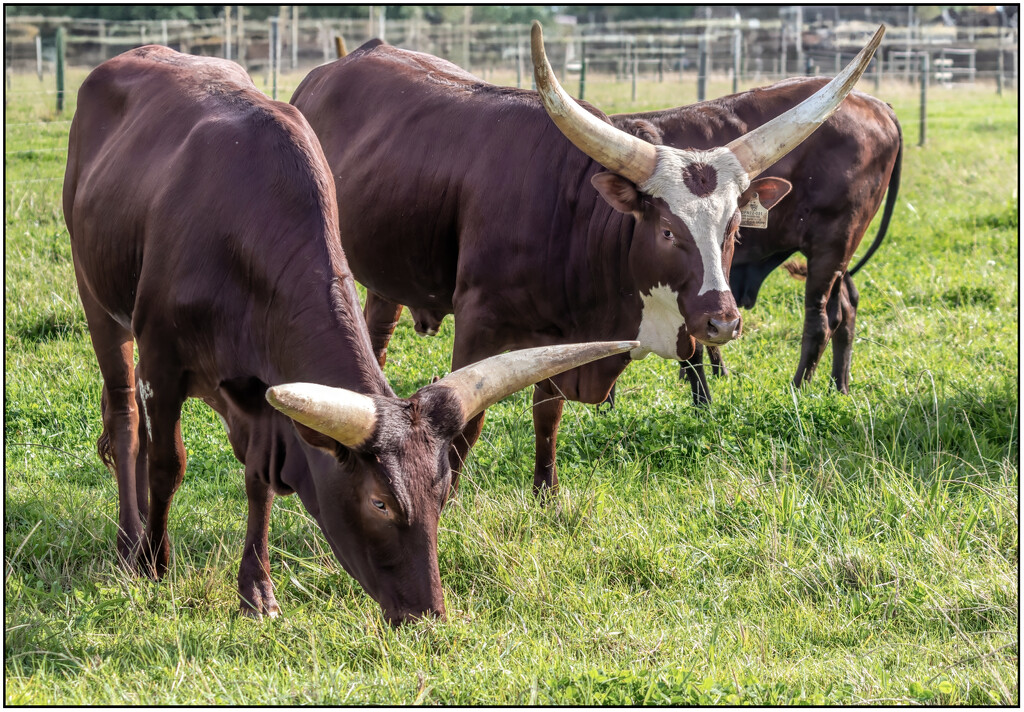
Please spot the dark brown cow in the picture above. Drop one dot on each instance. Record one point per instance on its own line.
(464, 197)
(839, 176)
(204, 228)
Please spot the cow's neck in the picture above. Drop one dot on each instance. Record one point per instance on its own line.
(315, 331)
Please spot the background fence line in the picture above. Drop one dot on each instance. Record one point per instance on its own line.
(746, 48)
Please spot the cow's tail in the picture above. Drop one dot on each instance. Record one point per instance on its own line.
(796, 269)
(890, 204)
(104, 450)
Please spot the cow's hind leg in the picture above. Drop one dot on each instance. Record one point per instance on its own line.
(547, 415)
(843, 336)
(816, 333)
(118, 445)
(717, 365)
(255, 588)
(381, 317)
(161, 395)
(693, 370)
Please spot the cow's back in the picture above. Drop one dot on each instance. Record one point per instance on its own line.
(180, 177)
(427, 157)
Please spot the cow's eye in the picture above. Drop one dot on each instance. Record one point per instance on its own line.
(667, 234)
(379, 505)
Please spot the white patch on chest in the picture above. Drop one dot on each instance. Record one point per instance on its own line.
(660, 322)
(145, 393)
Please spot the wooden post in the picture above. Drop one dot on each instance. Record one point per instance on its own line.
(274, 51)
(924, 98)
(240, 40)
(60, 69)
(164, 39)
(583, 68)
(339, 45)
(839, 63)
(39, 56)
(661, 62)
(227, 32)
(295, 36)
(702, 68)
(879, 58)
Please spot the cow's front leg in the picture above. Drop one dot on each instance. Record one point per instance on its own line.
(161, 395)
(255, 589)
(547, 415)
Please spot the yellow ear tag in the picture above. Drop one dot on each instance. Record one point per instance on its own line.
(753, 214)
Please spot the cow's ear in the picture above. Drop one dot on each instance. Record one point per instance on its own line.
(318, 439)
(618, 192)
(769, 191)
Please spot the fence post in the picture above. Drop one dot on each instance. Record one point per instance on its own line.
(879, 59)
(519, 63)
(702, 68)
(924, 98)
(295, 36)
(737, 50)
(227, 32)
(163, 33)
(636, 62)
(39, 57)
(60, 69)
(583, 68)
(274, 55)
(240, 42)
(999, 68)
(661, 62)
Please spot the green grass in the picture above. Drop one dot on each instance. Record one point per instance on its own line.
(776, 548)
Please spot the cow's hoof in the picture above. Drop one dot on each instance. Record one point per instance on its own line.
(272, 611)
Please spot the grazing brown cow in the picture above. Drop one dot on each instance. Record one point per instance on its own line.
(464, 197)
(839, 176)
(204, 228)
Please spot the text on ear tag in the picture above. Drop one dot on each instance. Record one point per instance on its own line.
(753, 214)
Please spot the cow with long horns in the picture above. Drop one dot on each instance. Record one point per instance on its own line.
(204, 229)
(839, 176)
(463, 197)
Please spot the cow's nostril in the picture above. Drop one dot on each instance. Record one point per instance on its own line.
(723, 329)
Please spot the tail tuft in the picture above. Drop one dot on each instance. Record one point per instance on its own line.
(104, 450)
(796, 269)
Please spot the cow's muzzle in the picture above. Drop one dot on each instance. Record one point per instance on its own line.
(401, 616)
(718, 332)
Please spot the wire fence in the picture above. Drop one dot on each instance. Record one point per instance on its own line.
(920, 70)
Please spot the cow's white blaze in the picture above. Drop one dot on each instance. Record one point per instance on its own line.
(660, 322)
(707, 217)
(145, 393)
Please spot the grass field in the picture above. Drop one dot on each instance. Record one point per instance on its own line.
(779, 547)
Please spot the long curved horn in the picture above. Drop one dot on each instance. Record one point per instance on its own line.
(767, 144)
(346, 416)
(486, 382)
(616, 150)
